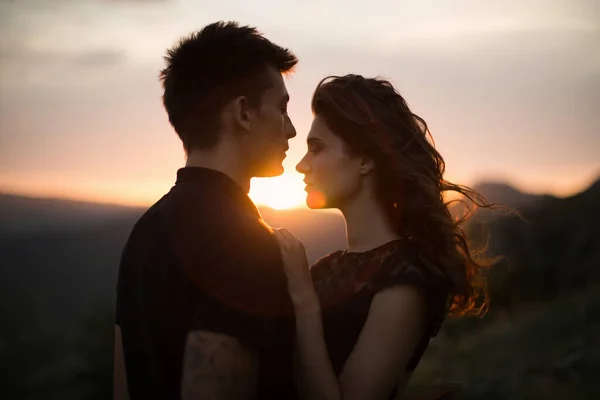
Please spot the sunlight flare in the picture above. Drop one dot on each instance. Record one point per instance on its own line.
(282, 192)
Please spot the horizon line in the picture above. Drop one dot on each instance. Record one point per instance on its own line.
(37, 195)
(100, 202)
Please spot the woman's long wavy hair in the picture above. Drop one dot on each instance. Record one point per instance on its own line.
(374, 120)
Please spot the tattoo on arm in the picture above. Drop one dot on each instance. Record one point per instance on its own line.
(218, 367)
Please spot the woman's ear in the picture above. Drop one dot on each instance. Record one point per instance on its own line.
(367, 165)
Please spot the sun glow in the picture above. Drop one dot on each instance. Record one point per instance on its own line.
(282, 192)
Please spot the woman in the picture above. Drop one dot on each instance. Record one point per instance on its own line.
(364, 316)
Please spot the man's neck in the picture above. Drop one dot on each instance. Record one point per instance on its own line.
(222, 158)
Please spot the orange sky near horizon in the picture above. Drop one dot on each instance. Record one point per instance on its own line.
(282, 192)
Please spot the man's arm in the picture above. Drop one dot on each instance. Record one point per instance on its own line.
(218, 367)
(120, 390)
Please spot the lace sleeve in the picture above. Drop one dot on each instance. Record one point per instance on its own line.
(400, 269)
(320, 269)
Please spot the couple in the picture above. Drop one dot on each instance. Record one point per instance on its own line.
(213, 303)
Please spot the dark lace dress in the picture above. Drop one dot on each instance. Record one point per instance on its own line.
(346, 283)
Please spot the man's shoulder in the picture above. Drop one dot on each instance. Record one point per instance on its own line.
(199, 204)
(189, 220)
(204, 218)
(189, 205)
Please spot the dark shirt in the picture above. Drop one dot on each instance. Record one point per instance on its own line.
(347, 283)
(202, 258)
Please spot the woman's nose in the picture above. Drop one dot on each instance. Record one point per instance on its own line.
(303, 166)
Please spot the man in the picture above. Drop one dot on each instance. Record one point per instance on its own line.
(202, 306)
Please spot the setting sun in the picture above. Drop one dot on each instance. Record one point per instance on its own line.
(282, 192)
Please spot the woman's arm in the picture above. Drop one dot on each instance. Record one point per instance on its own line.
(393, 329)
(314, 374)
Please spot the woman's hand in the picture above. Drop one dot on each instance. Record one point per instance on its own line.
(295, 265)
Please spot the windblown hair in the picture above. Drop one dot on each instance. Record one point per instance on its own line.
(374, 120)
(210, 67)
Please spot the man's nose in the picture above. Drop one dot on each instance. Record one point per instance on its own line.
(290, 130)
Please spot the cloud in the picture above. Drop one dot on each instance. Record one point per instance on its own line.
(135, 1)
(29, 70)
(52, 2)
(31, 58)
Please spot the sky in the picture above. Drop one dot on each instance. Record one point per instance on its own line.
(510, 90)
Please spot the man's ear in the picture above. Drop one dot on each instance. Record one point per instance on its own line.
(242, 113)
(367, 165)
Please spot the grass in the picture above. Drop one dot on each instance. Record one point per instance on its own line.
(543, 351)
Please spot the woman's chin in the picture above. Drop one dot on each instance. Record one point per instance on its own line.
(315, 200)
(312, 206)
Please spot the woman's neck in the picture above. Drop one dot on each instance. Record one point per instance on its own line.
(367, 226)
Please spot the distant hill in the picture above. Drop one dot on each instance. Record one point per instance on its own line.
(20, 214)
(554, 249)
(498, 192)
(506, 196)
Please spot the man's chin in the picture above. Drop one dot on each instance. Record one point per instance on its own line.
(270, 172)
